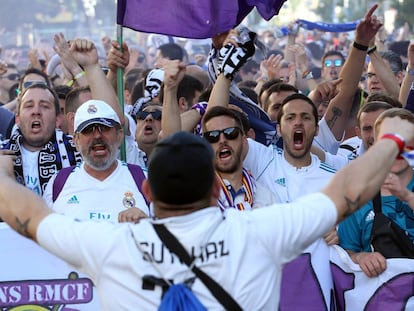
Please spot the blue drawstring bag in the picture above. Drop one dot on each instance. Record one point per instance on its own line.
(180, 297)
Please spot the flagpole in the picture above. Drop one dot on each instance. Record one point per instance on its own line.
(120, 89)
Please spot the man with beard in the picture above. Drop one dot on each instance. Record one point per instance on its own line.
(222, 128)
(102, 187)
(40, 148)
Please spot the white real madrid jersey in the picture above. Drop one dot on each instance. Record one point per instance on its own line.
(84, 197)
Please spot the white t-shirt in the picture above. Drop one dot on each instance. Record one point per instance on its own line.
(288, 183)
(243, 252)
(325, 138)
(31, 170)
(85, 197)
(134, 155)
(269, 167)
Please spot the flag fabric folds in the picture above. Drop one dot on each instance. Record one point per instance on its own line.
(196, 19)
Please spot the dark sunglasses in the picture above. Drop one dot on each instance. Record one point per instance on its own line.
(11, 77)
(29, 83)
(156, 115)
(229, 133)
(91, 129)
(331, 63)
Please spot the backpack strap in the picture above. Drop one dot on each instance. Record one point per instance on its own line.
(138, 176)
(376, 201)
(63, 174)
(172, 243)
(60, 180)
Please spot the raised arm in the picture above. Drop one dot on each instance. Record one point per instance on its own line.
(73, 73)
(358, 182)
(85, 53)
(340, 106)
(173, 73)
(409, 76)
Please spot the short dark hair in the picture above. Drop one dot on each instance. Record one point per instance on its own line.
(172, 51)
(37, 72)
(219, 111)
(393, 101)
(371, 107)
(393, 59)
(40, 86)
(301, 97)
(72, 102)
(332, 53)
(280, 87)
(62, 91)
(188, 86)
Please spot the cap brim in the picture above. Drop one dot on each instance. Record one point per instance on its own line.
(102, 121)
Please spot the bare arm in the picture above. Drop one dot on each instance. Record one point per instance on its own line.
(173, 73)
(354, 185)
(85, 53)
(340, 106)
(70, 67)
(409, 78)
(20, 208)
(385, 73)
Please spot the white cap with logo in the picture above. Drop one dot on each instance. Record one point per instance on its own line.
(95, 112)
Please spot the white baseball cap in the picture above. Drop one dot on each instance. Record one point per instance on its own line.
(95, 112)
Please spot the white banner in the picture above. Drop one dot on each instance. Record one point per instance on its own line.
(33, 279)
(391, 290)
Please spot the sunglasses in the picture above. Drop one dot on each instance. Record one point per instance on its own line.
(229, 133)
(29, 83)
(11, 77)
(156, 115)
(331, 63)
(91, 129)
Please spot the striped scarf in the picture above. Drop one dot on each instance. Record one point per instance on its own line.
(59, 152)
(226, 199)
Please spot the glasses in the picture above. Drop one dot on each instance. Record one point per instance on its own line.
(11, 77)
(29, 83)
(229, 133)
(331, 63)
(91, 129)
(156, 115)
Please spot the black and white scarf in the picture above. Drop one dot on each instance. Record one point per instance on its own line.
(57, 153)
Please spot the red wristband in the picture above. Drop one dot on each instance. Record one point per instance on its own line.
(399, 140)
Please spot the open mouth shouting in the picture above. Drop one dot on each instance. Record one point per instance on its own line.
(148, 129)
(36, 126)
(298, 139)
(99, 148)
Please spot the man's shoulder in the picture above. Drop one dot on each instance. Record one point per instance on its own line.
(322, 166)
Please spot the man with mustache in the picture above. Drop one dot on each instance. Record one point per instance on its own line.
(102, 187)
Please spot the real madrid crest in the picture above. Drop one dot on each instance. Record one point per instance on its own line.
(128, 200)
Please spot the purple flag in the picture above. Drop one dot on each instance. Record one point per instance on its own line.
(197, 19)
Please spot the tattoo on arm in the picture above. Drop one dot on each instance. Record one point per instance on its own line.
(336, 113)
(22, 227)
(351, 205)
